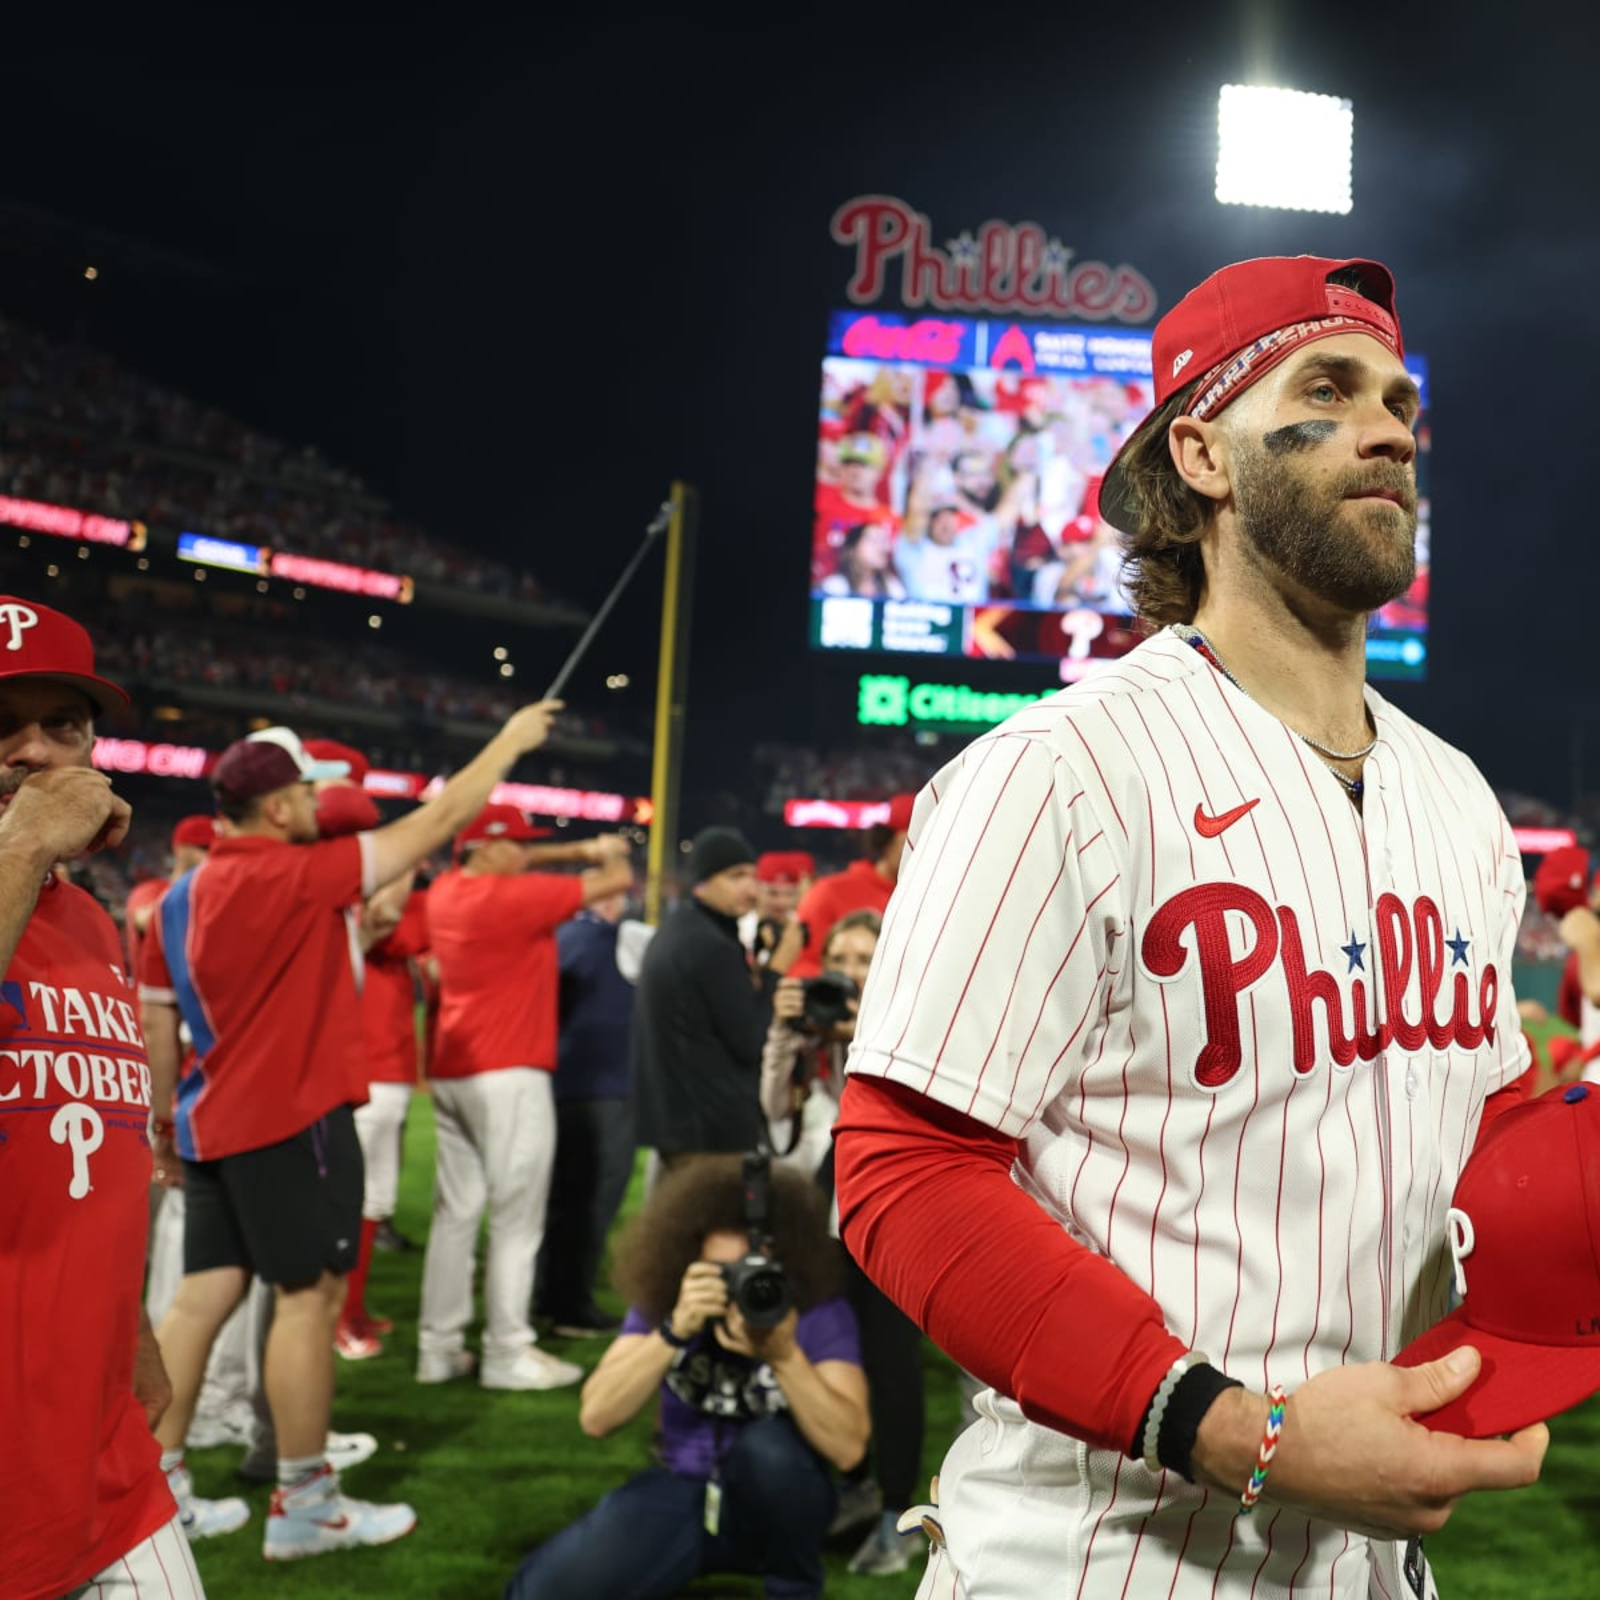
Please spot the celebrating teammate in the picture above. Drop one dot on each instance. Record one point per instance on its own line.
(1192, 998)
(256, 947)
(86, 1506)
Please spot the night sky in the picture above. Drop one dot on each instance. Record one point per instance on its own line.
(520, 276)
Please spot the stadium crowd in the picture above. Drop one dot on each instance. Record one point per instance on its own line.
(79, 429)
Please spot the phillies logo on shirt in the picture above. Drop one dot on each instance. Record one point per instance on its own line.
(42, 1071)
(17, 620)
(1193, 929)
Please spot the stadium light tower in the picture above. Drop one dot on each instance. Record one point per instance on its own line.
(1282, 148)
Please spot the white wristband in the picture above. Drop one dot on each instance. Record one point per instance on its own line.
(1158, 1406)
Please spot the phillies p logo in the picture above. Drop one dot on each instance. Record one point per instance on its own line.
(80, 1129)
(17, 620)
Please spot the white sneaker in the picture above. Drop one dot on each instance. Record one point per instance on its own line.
(443, 1366)
(530, 1369)
(204, 1519)
(314, 1516)
(232, 1426)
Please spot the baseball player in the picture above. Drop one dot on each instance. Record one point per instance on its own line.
(256, 948)
(86, 1506)
(492, 927)
(1192, 998)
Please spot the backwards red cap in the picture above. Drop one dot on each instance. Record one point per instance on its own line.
(1237, 326)
(499, 822)
(900, 808)
(332, 750)
(776, 866)
(199, 832)
(36, 642)
(1524, 1231)
(1562, 882)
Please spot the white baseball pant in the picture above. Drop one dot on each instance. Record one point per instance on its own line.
(378, 1125)
(495, 1143)
(159, 1568)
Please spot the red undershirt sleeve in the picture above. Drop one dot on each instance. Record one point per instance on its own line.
(928, 1208)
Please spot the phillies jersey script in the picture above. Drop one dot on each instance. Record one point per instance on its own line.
(80, 1479)
(1243, 1032)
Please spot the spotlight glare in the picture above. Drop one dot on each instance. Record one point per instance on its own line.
(506, 669)
(1283, 149)
(374, 621)
(500, 652)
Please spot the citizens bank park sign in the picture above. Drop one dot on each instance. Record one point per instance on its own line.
(1015, 269)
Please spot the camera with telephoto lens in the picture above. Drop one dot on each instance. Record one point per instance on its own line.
(757, 1284)
(825, 1001)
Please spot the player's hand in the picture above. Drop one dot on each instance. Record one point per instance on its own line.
(702, 1296)
(530, 727)
(166, 1170)
(760, 1344)
(1351, 1455)
(67, 811)
(608, 847)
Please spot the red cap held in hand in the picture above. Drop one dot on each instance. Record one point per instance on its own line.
(1525, 1235)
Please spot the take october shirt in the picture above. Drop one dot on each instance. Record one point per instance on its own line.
(263, 969)
(80, 1479)
(494, 941)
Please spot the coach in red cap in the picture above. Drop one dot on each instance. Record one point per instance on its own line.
(85, 1501)
(864, 885)
(257, 949)
(1194, 994)
(491, 929)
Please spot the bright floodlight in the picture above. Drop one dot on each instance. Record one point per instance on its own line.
(1278, 147)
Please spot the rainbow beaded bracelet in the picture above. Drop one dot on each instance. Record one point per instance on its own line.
(1269, 1448)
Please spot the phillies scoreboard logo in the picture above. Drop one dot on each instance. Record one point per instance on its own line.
(1012, 268)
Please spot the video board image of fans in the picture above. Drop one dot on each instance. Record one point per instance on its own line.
(956, 507)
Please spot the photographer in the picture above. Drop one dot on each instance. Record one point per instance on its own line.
(802, 1061)
(752, 1418)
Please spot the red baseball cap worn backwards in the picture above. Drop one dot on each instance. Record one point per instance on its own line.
(332, 750)
(36, 642)
(1525, 1236)
(900, 809)
(499, 822)
(777, 866)
(1236, 327)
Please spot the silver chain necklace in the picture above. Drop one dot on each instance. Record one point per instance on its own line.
(1193, 636)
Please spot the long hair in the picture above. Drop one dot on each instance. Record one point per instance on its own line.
(1161, 567)
(706, 1195)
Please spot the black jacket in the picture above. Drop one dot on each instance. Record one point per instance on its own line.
(698, 1027)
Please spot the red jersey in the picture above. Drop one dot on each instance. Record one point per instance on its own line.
(495, 941)
(80, 1477)
(860, 887)
(139, 896)
(835, 517)
(389, 999)
(264, 972)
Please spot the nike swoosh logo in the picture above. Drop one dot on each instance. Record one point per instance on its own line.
(342, 1523)
(1211, 827)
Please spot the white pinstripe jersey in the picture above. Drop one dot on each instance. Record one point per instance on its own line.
(1244, 1033)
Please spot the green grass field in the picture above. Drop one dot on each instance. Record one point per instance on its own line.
(491, 1474)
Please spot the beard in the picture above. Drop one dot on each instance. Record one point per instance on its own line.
(1356, 555)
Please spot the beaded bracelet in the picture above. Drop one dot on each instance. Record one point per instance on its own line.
(1269, 1447)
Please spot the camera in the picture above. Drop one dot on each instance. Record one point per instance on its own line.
(826, 1001)
(757, 1284)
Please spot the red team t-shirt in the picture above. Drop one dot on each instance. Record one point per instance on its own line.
(271, 957)
(860, 887)
(494, 940)
(388, 997)
(75, 1160)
